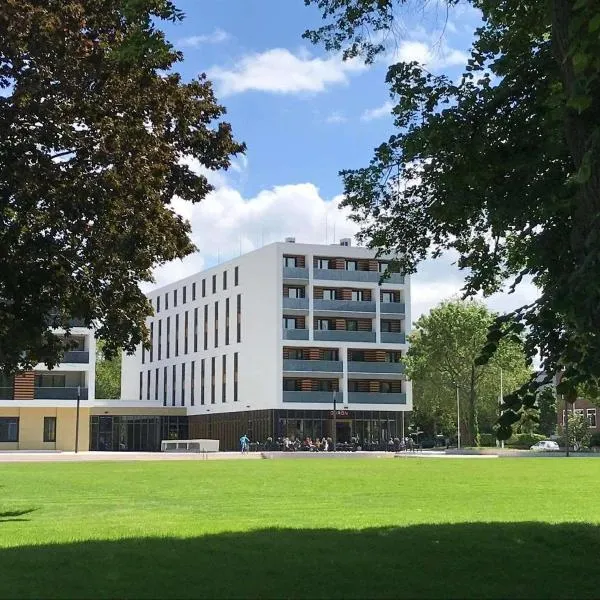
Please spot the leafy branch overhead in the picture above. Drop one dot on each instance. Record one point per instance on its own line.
(502, 167)
(94, 127)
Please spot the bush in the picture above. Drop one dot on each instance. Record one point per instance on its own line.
(487, 439)
(595, 439)
(524, 440)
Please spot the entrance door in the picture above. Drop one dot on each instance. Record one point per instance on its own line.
(343, 431)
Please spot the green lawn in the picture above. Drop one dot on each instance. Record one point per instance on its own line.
(320, 528)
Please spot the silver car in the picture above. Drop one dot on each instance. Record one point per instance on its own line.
(545, 446)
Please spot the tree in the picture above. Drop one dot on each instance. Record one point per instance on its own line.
(97, 133)
(547, 411)
(443, 356)
(579, 431)
(502, 167)
(108, 375)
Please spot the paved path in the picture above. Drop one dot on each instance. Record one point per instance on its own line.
(31, 456)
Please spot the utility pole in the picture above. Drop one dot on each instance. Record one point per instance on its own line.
(334, 436)
(458, 416)
(77, 420)
(500, 400)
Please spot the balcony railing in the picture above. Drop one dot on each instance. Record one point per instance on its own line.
(342, 335)
(362, 276)
(332, 366)
(320, 397)
(295, 273)
(393, 307)
(59, 393)
(6, 393)
(375, 367)
(295, 303)
(393, 338)
(76, 356)
(344, 306)
(376, 398)
(295, 334)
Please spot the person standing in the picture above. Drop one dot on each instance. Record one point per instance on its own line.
(244, 443)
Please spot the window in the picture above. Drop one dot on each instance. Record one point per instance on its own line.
(159, 339)
(174, 298)
(351, 325)
(352, 385)
(330, 355)
(212, 380)
(328, 294)
(296, 354)
(289, 322)
(385, 387)
(359, 295)
(167, 301)
(50, 380)
(239, 318)
(156, 384)
(182, 384)
(148, 384)
(214, 284)
(158, 304)
(224, 280)
(206, 326)
(290, 261)
(227, 321)
(184, 295)
(351, 265)
(321, 263)
(591, 416)
(174, 386)
(579, 411)
(152, 341)
(383, 266)
(296, 292)
(203, 288)
(326, 385)
(216, 324)
(236, 274)
(193, 383)
(322, 324)
(168, 337)
(235, 376)
(196, 329)
(50, 429)
(165, 386)
(9, 429)
(386, 326)
(393, 357)
(185, 332)
(291, 385)
(356, 355)
(193, 291)
(224, 380)
(387, 296)
(202, 381)
(141, 384)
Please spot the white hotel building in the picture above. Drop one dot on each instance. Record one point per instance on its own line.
(262, 343)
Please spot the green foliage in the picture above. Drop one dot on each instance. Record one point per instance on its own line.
(487, 440)
(502, 167)
(524, 441)
(108, 375)
(579, 432)
(546, 403)
(443, 354)
(96, 134)
(595, 440)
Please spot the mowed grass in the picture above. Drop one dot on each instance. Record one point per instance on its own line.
(324, 528)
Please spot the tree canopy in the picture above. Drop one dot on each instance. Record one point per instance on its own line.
(443, 357)
(96, 134)
(108, 375)
(502, 167)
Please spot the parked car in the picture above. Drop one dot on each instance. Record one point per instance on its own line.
(545, 446)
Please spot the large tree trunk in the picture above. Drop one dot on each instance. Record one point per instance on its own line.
(474, 417)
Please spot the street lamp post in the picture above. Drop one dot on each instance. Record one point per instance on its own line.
(334, 436)
(458, 416)
(77, 420)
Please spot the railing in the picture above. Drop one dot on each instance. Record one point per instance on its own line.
(388, 337)
(59, 393)
(344, 305)
(295, 303)
(76, 356)
(341, 335)
(332, 366)
(320, 397)
(375, 367)
(376, 398)
(295, 334)
(6, 393)
(393, 307)
(295, 273)
(363, 276)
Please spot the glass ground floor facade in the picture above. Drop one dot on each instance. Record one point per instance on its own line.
(371, 429)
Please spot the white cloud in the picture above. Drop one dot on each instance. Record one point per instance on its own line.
(280, 71)
(336, 117)
(377, 113)
(434, 56)
(216, 37)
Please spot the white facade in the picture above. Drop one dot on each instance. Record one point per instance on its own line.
(171, 372)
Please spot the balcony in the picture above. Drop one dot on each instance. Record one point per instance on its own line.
(295, 334)
(392, 308)
(330, 366)
(362, 276)
(297, 273)
(388, 337)
(59, 393)
(376, 398)
(394, 368)
(352, 306)
(341, 335)
(295, 303)
(76, 356)
(6, 393)
(320, 397)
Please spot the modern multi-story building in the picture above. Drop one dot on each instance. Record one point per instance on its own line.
(268, 343)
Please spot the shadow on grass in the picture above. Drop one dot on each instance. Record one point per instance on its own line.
(11, 515)
(467, 560)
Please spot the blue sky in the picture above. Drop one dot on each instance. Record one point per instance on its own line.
(304, 115)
